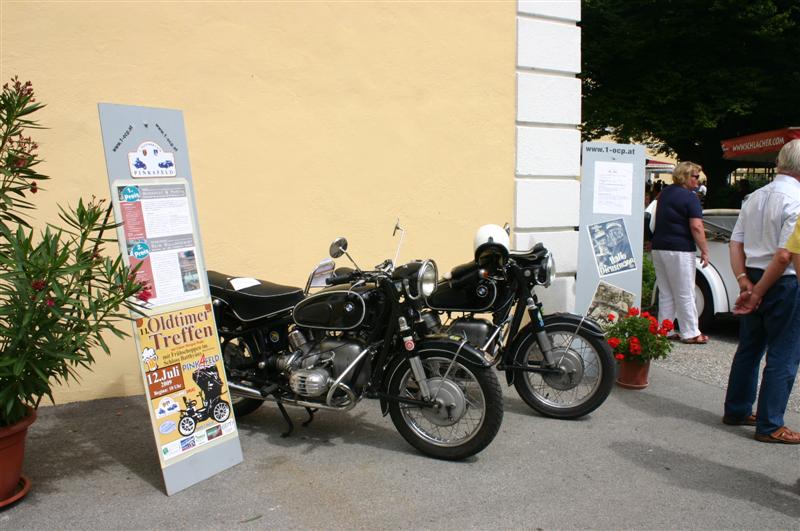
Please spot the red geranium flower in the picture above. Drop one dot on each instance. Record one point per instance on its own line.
(610, 317)
(619, 356)
(667, 324)
(614, 342)
(633, 312)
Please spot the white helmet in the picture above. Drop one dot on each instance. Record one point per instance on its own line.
(491, 239)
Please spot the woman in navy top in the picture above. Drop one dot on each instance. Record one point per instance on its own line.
(678, 233)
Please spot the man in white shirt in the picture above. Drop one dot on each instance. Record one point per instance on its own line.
(769, 303)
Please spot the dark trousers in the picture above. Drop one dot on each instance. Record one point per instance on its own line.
(774, 329)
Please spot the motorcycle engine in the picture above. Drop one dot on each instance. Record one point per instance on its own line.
(312, 367)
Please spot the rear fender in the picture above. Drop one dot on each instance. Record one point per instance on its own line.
(448, 345)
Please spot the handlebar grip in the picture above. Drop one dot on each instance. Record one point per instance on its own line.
(334, 281)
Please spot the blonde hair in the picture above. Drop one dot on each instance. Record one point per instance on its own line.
(683, 171)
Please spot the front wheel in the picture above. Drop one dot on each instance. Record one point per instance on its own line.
(467, 410)
(586, 372)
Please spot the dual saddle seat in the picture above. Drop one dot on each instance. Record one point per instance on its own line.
(253, 302)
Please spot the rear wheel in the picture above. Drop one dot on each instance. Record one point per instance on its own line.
(237, 358)
(587, 371)
(467, 411)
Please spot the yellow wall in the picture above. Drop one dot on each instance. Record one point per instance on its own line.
(305, 121)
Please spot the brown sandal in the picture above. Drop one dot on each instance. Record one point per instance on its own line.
(696, 340)
(781, 435)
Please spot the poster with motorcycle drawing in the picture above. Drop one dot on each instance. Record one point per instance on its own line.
(185, 380)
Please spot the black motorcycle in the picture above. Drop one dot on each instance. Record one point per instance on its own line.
(210, 385)
(560, 364)
(357, 339)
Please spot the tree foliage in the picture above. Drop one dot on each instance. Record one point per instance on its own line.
(687, 73)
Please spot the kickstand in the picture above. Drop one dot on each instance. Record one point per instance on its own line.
(310, 412)
(287, 419)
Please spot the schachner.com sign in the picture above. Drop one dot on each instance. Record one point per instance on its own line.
(176, 338)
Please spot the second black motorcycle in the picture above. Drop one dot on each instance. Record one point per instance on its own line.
(560, 364)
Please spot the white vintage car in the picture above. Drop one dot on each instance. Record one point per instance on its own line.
(715, 287)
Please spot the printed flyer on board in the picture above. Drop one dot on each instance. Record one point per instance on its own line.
(185, 380)
(159, 234)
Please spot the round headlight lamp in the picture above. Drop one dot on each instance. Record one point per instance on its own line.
(547, 272)
(427, 279)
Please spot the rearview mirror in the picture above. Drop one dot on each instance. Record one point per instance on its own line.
(338, 247)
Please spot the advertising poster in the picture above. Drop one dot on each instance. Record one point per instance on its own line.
(159, 234)
(184, 380)
(611, 247)
(613, 188)
(610, 300)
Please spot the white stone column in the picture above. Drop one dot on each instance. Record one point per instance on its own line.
(547, 202)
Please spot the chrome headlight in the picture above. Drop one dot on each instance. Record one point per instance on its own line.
(427, 279)
(544, 277)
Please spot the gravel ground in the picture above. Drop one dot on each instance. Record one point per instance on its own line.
(710, 363)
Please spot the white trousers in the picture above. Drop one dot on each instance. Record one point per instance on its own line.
(675, 272)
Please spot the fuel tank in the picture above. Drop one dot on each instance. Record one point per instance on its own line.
(334, 308)
(475, 296)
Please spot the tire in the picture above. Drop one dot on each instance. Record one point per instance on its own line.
(244, 406)
(560, 396)
(474, 393)
(221, 411)
(236, 357)
(186, 426)
(704, 302)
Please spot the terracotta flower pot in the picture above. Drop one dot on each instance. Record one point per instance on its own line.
(12, 450)
(632, 374)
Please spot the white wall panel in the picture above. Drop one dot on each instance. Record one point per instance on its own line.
(566, 9)
(548, 99)
(548, 45)
(544, 203)
(548, 151)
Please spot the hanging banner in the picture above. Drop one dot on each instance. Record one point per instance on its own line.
(176, 339)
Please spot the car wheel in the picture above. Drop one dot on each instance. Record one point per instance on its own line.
(704, 302)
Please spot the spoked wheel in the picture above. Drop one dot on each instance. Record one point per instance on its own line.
(221, 411)
(585, 378)
(467, 407)
(237, 357)
(186, 426)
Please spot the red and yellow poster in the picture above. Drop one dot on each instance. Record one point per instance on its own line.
(185, 380)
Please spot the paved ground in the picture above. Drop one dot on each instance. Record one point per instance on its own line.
(652, 459)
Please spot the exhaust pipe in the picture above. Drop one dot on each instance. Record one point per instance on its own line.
(245, 391)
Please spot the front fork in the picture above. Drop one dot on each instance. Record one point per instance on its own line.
(537, 320)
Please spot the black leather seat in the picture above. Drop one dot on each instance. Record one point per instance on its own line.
(253, 302)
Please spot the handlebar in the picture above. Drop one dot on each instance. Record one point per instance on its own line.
(335, 281)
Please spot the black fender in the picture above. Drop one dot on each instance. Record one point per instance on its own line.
(589, 326)
(463, 351)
